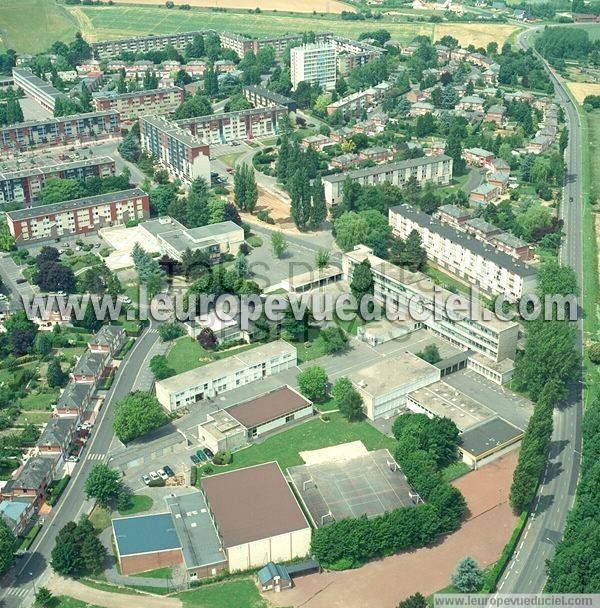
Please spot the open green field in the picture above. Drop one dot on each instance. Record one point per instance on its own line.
(31, 26)
(99, 23)
(312, 435)
(241, 593)
(139, 504)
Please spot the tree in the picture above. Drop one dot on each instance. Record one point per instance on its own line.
(279, 244)
(103, 484)
(362, 279)
(130, 148)
(137, 414)
(251, 191)
(313, 383)
(8, 546)
(207, 338)
(44, 597)
(196, 204)
(300, 195)
(43, 344)
(467, 578)
(322, 258)
(7, 240)
(351, 405)
(334, 339)
(211, 82)
(170, 331)
(414, 256)
(78, 551)
(318, 210)
(369, 227)
(430, 353)
(593, 351)
(57, 190)
(159, 366)
(20, 332)
(413, 601)
(240, 265)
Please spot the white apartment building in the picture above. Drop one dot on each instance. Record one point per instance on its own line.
(208, 381)
(464, 256)
(435, 169)
(494, 340)
(314, 63)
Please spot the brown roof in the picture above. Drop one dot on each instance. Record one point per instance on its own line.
(252, 504)
(271, 406)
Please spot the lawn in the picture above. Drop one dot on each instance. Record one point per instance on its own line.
(445, 280)
(229, 159)
(33, 417)
(139, 504)
(100, 518)
(64, 601)
(241, 593)
(312, 435)
(455, 470)
(120, 21)
(31, 26)
(157, 573)
(39, 401)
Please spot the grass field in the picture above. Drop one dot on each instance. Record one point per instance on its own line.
(139, 504)
(241, 593)
(312, 435)
(99, 23)
(158, 573)
(297, 6)
(31, 26)
(63, 601)
(581, 90)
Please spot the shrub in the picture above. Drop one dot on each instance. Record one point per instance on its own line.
(222, 458)
(156, 483)
(594, 352)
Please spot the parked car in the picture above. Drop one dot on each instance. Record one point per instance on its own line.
(146, 479)
(72, 458)
(154, 475)
(168, 470)
(201, 455)
(162, 474)
(209, 453)
(195, 459)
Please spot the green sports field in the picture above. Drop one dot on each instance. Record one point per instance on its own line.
(31, 26)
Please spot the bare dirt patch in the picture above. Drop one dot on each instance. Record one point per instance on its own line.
(296, 6)
(383, 583)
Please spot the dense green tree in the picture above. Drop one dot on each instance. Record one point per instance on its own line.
(351, 405)
(78, 550)
(8, 546)
(300, 194)
(159, 366)
(468, 577)
(334, 339)
(103, 484)
(362, 279)
(57, 190)
(414, 256)
(413, 601)
(137, 414)
(55, 376)
(318, 210)
(278, 244)
(312, 382)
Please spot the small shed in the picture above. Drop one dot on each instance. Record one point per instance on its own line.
(274, 577)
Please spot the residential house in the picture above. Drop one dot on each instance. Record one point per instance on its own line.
(498, 165)
(109, 339)
(471, 102)
(453, 215)
(484, 193)
(90, 367)
(421, 108)
(17, 513)
(539, 144)
(317, 142)
(477, 156)
(495, 114)
(376, 154)
(514, 246)
(57, 436)
(480, 229)
(74, 400)
(32, 479)
(499, 179)
(344, 161)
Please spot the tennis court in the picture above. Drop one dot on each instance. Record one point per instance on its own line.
(369, 484)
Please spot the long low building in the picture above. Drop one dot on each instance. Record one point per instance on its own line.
(470, 259)
(25, 185)
(208, 381)
(77, 216)
(260, 97)
(140, 103)
(39, 90)
(234, 126)
(142, 44)
(51, 132)
(429, 169)
(183, 155)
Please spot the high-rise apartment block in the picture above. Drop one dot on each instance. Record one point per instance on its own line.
(314, 63)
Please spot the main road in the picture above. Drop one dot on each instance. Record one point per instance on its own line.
(31, 570)
(526, 572)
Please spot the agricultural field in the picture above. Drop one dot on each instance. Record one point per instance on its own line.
(31, 26)
(296, 6)
(101, 23)
(581, 90)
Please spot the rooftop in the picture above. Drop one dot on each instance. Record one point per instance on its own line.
(268, 407)
(63, 119)
(489, 436)
(114, 95)
(80, 203)
(106, 335)
(89, 364)
(57, 431)
(74, 395)
(252, 504)
(34, 472)
(173, 130)
(62, 166)
(145, 534)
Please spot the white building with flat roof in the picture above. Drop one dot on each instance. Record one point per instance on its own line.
(208, 381)
(314, 63)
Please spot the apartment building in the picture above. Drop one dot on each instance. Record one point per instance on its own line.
(208, 381)
(51, 132)
(140, 103)
(24, 186)
(469, 259)
(355, 103)
(36, 88)
(77, 216)
(494, 340)
(434, 169)
(243, 44)
(142, 44)
(235, 126)
(185, 156)
(260, 97)
(352, 54)
(314, 63)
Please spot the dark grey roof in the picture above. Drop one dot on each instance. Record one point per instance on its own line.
(57, 431)
(80, 203)
(481, 225)
(35, 471)
(63, 119)
(489, 435)
(102, 95)
(271, 570)
(387, 168)
(463, 239)
(44, 86)
(275, 97)
(107, 334)
(454, 211)
(74, 395)
(89, 364)
(173, 130)
(45, 169)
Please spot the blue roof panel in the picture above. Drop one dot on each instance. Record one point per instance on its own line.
(145, 534)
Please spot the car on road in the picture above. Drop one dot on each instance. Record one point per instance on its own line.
(72, 459)
(209, 453)
(146, 479)
(201, 455)
(168, 470)
(162, 474)
(154, 475)
(195, 459)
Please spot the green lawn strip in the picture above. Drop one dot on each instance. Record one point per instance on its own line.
(445, 280)
(311, 435)
(103, 586)
(30, 537)
(455, 470)
(327, 406)
(39, 401)
(26, 417)
(241, 593)
(64, 601)
(139, 504)
(157, 573)
(254, 241)
(100, 518)
(229, 159)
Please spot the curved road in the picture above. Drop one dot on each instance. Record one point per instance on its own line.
(526, 572)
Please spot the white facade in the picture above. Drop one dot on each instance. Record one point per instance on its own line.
(314, 63)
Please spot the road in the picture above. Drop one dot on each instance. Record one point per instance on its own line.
(526, 572)
(33, 569)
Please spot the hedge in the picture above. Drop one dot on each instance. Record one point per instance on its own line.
(31, 535)
(56, 489)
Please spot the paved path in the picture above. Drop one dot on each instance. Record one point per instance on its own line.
(106, 599)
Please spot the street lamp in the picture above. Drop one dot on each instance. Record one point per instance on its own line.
(33, 583)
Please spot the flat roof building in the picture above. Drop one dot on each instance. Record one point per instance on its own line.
(142, 44)
(133, 105)
(207, 381)
(314, 63)
(39, 90)
(487, 439)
